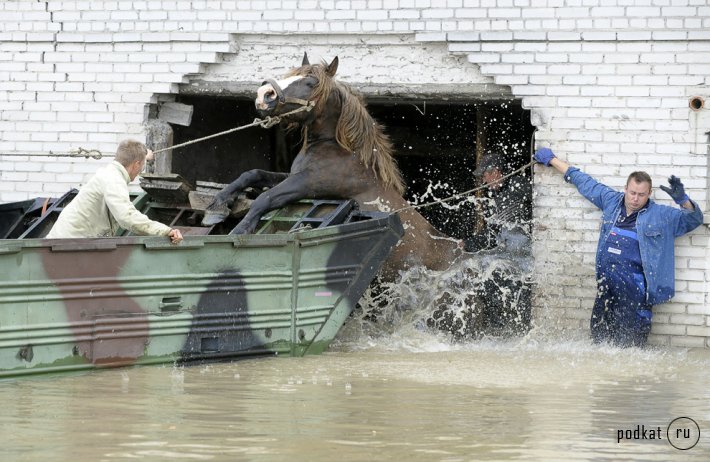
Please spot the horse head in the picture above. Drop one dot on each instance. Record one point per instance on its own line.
(305, 86)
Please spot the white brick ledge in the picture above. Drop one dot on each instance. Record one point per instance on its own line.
(565, 36)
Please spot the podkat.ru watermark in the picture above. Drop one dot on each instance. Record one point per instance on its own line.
(682, 433)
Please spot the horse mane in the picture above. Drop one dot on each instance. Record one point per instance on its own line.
(356, 130)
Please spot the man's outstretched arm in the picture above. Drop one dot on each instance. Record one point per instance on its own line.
(547, 157)
(677, 193)
(598, 193)
(559, 165)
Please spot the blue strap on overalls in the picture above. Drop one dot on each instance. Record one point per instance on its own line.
(621, 313)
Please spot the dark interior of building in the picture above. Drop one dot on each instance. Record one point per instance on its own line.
(437, 146)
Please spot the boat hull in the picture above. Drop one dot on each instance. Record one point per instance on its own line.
(77, 304)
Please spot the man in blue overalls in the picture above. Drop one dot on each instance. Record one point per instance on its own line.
(635, 255)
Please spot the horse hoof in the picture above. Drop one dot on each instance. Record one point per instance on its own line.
(212, 218)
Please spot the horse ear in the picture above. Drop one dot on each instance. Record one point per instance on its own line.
(332, 67)
(305, 59)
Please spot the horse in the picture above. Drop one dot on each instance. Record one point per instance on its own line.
(345, 155)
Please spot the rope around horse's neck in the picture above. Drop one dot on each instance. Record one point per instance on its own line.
(267, 122)
(463, 194)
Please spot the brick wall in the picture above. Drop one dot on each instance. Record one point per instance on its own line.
(608, 83)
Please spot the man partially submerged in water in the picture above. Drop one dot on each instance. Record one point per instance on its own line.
(505, 242)
(635, 255)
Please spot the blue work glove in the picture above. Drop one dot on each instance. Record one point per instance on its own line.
(544, 156)
(676, 191)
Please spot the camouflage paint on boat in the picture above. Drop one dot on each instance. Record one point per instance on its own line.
(76, 304)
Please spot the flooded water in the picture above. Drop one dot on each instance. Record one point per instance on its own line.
(413, 397)
(386, 390)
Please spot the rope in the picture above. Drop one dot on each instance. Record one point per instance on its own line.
(465, 193)
(478, 188)
(267, 122)
(79, 152)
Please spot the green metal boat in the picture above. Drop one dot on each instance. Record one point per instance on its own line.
(77, 304)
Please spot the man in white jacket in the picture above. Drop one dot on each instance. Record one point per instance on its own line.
(103, 204)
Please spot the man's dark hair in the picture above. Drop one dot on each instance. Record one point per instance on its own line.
(640, 177)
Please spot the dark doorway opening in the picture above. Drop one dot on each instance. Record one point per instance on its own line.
(439, 145)
(224, 158)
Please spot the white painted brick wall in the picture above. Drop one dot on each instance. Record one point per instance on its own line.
(607, 82)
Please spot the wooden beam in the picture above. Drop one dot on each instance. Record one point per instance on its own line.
(159, 135)
(373, 93)
(482, 121)
(176, 113)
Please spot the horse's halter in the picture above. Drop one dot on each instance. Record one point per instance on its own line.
(282, 99)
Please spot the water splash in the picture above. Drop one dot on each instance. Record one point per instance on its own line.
(481, 296)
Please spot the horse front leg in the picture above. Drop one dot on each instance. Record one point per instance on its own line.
(218, 210)
(292, 189)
